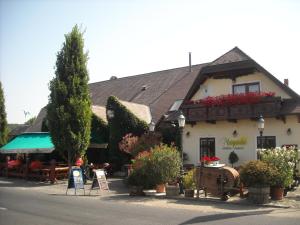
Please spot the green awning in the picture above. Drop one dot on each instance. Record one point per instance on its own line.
(29, 143)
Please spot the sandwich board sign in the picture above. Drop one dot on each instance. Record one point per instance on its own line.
(75, 180)
(99, 181)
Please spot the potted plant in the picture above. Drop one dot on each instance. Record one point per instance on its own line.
(165, 162)
(189, 183)
(256, 175)
(283, 161)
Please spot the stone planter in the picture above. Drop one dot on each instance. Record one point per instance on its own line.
(276, 193)
(172, 190)
(189, 193)
(160, 188)
(259, 195)
(136, 191)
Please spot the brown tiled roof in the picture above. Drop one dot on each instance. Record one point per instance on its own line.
(234, 55)
(158, 90)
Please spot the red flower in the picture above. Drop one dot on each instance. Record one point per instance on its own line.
(214, 158)
(205, 158)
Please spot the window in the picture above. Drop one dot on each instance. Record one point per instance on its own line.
(245, 88)
(176, 105)
(207, 147)
(266, 142)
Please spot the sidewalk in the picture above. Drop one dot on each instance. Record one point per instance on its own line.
(119, 193)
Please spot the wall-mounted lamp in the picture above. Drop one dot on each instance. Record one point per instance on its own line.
(234, 133)
(289, 131)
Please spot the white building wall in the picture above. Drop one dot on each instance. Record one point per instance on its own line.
(245, 128)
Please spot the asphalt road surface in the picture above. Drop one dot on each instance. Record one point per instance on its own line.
(26, 207)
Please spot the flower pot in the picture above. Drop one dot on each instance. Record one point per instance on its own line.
(259, 195)
(136, 191)
(189, 193)
(215, 163)
(160, 188)
(172, 190)
(276, 193)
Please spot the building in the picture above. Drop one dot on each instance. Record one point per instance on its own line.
(217, 125)
(224, 103)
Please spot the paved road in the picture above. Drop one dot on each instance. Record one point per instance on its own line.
(19, 205)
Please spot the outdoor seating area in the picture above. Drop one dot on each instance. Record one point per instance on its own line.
(44, 172)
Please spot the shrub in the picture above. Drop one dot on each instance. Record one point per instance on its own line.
(189, 180)
(256, 173)
(233, 158)
(158, 166)
(133, 145)
(166, 162)
(283, 161)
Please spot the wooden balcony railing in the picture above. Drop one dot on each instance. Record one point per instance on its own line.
(267, 106)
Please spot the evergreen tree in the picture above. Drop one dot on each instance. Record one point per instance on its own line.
(69, 107)
(3, 121)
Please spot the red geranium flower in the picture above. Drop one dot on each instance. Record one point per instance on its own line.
(214, 158)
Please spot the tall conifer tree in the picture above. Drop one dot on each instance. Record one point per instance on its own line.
(69, 107)
(3, 121)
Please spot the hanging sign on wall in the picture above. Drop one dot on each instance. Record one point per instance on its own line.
(234, 143)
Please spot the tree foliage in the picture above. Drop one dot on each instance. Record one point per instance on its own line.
(69, 107)
(3, 121)
(99, 130)
(123, 122)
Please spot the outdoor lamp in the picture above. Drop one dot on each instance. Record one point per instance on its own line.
(151, 126)
(261, 126)
(110, 113)
(181, 120)
(181, 123)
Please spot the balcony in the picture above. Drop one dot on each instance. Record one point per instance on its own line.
(267, 106)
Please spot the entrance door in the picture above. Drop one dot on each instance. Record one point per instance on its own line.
(207, 147)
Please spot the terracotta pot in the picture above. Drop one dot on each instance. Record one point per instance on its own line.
(189, 193)
(161, 188)
(276, 193)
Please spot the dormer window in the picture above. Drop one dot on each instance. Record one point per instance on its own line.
(245, 88)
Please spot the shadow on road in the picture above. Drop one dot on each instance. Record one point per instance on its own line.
(215, 217)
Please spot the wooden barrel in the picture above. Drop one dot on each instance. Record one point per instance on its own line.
(216, 180)
(259, 195)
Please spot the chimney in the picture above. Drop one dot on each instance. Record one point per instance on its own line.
(286, 82)
(190, 61)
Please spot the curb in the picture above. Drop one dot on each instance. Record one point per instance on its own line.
(217, 201)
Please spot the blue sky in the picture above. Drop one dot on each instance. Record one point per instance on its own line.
(131, 37)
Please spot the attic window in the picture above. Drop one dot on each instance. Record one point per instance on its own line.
(176, 105)
(245, 88)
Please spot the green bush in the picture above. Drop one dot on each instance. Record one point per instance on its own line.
(256, 173)
(166, 163)
(283, 161)
(189, 180)
(158, 166)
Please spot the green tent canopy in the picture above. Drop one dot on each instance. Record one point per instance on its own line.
(29, 143)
